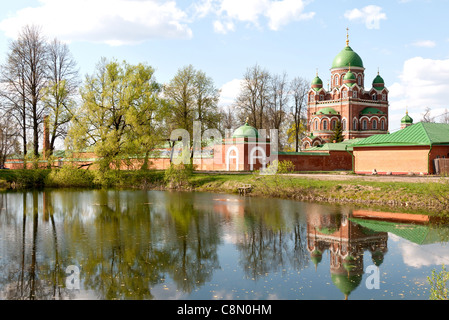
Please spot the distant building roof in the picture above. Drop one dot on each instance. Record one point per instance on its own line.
(345, 145)
(421, 133)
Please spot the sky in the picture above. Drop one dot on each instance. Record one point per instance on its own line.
(407, 41)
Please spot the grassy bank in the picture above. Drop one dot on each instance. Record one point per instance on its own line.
(412, 196)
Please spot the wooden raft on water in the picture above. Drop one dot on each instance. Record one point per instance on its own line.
(245, 189)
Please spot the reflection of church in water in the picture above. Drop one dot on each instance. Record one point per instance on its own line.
(347, 243)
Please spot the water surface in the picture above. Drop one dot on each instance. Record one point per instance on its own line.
(179, 245)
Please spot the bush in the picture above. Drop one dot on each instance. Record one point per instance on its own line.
(70, 176)
(177, 176)
(286, 166)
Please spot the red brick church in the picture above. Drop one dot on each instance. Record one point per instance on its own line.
(362, 113)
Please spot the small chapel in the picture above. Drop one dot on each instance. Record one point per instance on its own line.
(360, 112)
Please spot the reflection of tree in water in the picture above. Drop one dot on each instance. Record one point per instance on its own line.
(268, 245)
(192, 249)
(25, 274)
(117, 257)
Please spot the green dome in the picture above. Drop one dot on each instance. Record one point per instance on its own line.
(347, 57)
(317, 83)
(378, 80)
(349, 79)
(407, 119)
(349, 76)
(327, 110)
(317, 80)
(346, 283)
(246, 131)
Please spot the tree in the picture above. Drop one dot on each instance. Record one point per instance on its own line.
(120, 112)
(24, 76)
(278, 101)
(59, 95)
(338, 133)
(426, 116)
(8, 138)
(299, 88)
(253, 99)
(193, 97)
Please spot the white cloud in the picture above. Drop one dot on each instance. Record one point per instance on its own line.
(223, 27)
(424, 43)
(229, 91)
(370, 15)
(423, 83)
(115, 22)
(418, 256)
(277, 13)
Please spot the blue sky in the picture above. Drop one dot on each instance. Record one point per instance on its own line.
(408, 40)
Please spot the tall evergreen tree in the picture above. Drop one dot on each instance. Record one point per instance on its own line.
(338, 133)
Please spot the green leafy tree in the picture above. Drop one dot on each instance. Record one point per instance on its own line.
(59, 96)
(120, 114)
(192, 97)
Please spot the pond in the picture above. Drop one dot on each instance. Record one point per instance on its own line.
(103, 244)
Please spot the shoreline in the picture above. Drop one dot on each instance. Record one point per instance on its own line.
(411, 193)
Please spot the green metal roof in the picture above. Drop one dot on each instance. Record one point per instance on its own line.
(371, 110)
(422, 133)
(345, 145)
(419, 234)
(347, 58)
(327, 110)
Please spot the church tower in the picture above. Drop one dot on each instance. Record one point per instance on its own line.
(362, 112)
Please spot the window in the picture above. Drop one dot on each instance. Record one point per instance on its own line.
(324, 125)
(382, 125)
(334, 124)
(336, 80)
(354, 124)
(354, 94)
(359, 80)
(316, 124)
(374, 96)
(321, 97)
(364, 125)
(343, 125)
(345, 94)
(384, 97)
(375, 124)
(312, 97)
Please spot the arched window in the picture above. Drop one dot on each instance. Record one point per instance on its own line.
(364, 125)
(382, 125)
(334, 124)
(374, 96)
(343, 125)
(324, 124)
(375, 124)
(359, 80)
(336, 80)
(316, 124)
(354, 94)
(321, 97)
(354, 124)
